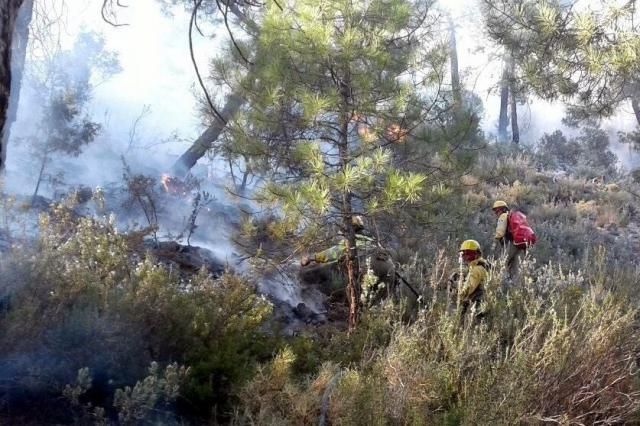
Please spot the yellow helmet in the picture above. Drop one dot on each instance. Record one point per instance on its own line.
(498, 204)
(470, 245)
(357, 221)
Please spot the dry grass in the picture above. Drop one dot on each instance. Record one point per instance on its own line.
(559, 347)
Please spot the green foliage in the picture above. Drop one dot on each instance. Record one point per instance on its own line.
(336, 95)
(587, 155)
(571, 50)
(330, 106)
(558, 344)
(150, 398)
(65, 127)
(83, 298)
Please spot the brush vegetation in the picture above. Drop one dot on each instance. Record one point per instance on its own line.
(339, 108)
(93, 330)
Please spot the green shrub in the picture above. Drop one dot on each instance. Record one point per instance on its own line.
(83, 299)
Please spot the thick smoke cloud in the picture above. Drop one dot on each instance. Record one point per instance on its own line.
(157, 77)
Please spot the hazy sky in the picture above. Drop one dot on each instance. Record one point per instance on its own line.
(157, 69)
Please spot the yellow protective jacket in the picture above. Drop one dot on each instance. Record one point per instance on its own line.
(334, 253)
(501, 228)
(475, 280)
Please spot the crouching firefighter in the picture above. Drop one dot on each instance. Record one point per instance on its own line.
(332, 254)
(475, 280)
(381, 260)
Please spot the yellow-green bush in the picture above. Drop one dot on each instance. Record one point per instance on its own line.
(558, 345)
(82, 299)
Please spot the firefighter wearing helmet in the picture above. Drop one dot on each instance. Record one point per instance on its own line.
(476, 277)
(334, 253)
(514, 234)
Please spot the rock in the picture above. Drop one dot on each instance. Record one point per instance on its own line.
(79, 194)
(187, 258)
(305, 314)
(612, 187)
(302, 311)
(41, 203)
(327, 278)
(83, 194)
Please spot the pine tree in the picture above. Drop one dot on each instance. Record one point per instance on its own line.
(338, 85)
(570, 50)
(65, 127)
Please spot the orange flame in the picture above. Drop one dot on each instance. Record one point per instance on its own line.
(395, 133)
(166, 180)
(173, 185)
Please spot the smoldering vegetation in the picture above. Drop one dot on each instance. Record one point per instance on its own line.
(134, 294)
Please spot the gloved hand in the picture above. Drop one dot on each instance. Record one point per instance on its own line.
(453, 278)
(305, 260)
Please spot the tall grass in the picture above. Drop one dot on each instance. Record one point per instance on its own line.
(556, 347)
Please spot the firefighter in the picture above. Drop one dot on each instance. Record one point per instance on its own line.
(514, 234)
(332, 254)
(476, 277)
(378, 258)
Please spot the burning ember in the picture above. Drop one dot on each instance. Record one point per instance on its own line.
(395, 133)
(173, 185)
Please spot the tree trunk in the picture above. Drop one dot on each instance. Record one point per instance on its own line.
(245, 177)
(40, 176)
(515, 130)
(19, 56)
(205, 141)
(352, 264)
(8, 15)
(635, 104)
(503, 122)
(455, 73)
(234, 102)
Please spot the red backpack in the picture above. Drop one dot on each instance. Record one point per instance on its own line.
(519, 229)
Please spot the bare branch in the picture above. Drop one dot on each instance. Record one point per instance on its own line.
(194, 14)
(108, 15)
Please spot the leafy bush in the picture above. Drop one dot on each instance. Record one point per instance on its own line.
(586, 155)
(82, 298)
(84, 314)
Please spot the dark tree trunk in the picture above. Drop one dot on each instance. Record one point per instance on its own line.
(19, 56)
(515, 130)
(45, 158)
(455, 73)
(205, 141)
(234, 102)
(8, 15)
(352, 264)
(503, 122)
(346, 209)
(635, 104)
